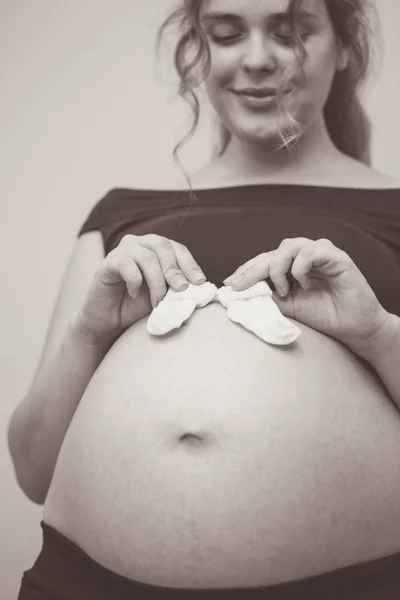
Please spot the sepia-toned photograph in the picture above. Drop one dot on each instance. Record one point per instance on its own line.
(200, 299)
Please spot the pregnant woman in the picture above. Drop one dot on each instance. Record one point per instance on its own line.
(209, 462)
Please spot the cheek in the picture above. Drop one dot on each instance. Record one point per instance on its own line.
(215, 97)
(221, 77)
(320, 70)
(225, 63)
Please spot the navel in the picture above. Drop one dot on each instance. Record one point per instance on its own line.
(192, 440)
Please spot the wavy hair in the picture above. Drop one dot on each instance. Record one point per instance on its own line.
(354, 23)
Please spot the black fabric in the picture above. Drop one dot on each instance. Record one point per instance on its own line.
(225, 227)
(64, 572)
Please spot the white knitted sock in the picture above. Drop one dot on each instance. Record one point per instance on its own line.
(255, 309)
(177, 307)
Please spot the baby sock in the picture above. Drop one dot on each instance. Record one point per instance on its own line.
(255, 310)
(177, 307)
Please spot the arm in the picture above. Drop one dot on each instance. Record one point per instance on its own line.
(383, 353)
(39, 423)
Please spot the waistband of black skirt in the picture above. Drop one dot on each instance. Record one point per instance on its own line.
(65, 571)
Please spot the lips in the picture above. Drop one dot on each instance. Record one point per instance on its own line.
(257, 93)
(258, 100)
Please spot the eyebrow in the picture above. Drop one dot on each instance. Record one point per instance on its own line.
(213, 16)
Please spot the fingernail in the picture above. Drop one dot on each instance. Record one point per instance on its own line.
(235, 280)
(282, 291)
(231, 279)
(180, 282)
(199, 276)
(231, 283)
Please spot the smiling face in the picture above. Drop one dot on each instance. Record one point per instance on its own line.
(253, 53)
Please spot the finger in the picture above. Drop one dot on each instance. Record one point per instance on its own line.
(164, 251)
(150, 266)
(279, 268)
(250, 272)
(117, 267)
(107, 272)
(322, 258)
(187, 263)
(274, 264)
(281, 263)
(131, 274)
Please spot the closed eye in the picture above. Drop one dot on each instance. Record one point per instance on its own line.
(288, 39)
(225, 39)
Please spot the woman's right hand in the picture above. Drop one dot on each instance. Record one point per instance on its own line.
(130, 282)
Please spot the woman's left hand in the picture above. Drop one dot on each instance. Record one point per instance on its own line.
(333, 297)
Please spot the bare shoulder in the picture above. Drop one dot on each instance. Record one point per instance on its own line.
(367, 176)
(378, 179)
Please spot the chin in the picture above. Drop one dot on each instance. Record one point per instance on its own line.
(260, 136)
(261, 128)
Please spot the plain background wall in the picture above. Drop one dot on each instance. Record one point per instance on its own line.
(83, 108)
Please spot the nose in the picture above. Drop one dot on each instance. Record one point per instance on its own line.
(259, 55)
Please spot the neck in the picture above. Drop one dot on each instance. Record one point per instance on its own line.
(312, 151)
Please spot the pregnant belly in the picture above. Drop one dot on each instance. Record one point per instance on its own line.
(208, 458)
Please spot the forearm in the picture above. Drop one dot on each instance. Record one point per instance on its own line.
(39, 424)
(383, 353)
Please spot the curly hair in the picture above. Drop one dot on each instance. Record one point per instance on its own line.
(346, 120)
